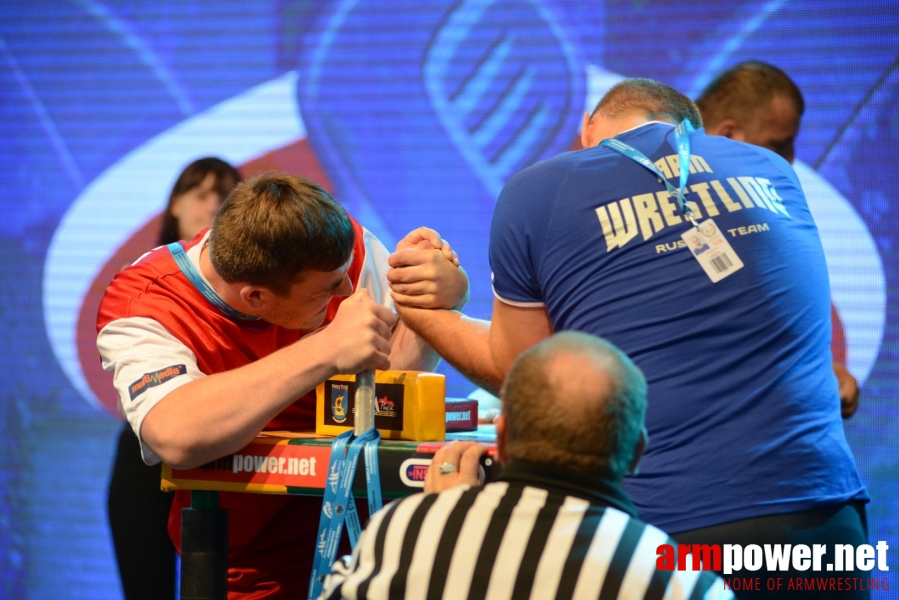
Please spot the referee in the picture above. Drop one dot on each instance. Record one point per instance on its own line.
(556, 524)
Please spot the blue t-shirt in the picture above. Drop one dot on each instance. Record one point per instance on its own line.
(744, 412)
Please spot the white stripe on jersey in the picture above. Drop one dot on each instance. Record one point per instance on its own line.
(516, 302)
(599, 554)
(558, 545)
(515, 541)
(468, 546)
(643, 563)
(393, 546)
(365, 557)
(428, 540)
(681, 585)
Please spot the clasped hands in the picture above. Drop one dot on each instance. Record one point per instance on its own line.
(425, 273)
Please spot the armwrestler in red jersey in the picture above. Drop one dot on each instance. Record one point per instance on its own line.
(215, 340)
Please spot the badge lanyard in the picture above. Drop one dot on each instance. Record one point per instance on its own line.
(710, 248)
(204, 288)
(682, 140)
(338, 505)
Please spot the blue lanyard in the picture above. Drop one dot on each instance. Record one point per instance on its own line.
(204, 288)
(682, 140)
(338, 505)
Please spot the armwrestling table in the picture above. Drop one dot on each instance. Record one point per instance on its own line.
(285, 463)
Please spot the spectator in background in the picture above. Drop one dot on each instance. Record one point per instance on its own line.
(138, 509)
(759, 104)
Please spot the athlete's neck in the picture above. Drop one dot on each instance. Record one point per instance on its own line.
(599, 127)
(230, 293)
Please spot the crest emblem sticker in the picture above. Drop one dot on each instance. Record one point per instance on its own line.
(339, 395)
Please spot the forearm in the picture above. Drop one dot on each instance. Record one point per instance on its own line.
(464, 342)
(409, 350)
(218, 415)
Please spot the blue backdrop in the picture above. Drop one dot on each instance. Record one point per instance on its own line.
(412, 113)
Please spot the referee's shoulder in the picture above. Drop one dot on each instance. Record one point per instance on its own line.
(641, 551)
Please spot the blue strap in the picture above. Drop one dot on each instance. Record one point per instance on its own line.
(373, 474)
(353, 524)
(373, 485)
(682, 138)
(338, 505)
(204, 288)
(682, 141)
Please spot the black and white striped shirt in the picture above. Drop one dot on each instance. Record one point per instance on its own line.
(537, 533)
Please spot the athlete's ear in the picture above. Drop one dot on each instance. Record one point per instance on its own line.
(585, 131)
(500, 422)
(638, 452)
(253, 296)
(729, 128)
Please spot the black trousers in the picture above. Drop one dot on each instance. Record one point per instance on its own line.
(837, 524)
(138, 518)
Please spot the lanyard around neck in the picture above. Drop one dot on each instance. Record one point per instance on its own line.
(682, 140)
(204, 288)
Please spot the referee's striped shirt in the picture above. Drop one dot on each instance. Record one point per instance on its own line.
(531, 535)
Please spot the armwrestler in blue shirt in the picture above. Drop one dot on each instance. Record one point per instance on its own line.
(746, 441)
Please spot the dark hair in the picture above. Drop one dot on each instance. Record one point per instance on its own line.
(559, 416)
(744, 89)
(226, 177)
(275, 226)
(657, 100)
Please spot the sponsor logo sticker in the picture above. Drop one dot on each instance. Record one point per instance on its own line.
(155, 378)
(339, 402)
(413, 471)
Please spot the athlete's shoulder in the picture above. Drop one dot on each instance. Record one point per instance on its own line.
(151, 267)
(548, 171)
(158, 259)
(131, 285)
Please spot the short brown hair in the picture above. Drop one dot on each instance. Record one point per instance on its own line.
(275, 226)
(745, 89)
(567, 422)
(657, 100)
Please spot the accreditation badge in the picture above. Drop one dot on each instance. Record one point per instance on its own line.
(714, 253)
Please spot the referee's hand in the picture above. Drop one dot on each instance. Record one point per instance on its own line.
(454, 464)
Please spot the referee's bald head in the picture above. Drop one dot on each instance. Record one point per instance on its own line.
(575, 401)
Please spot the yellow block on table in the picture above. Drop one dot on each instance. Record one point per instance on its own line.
(409, 405)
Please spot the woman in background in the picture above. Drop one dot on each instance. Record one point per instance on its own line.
(138, 509)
